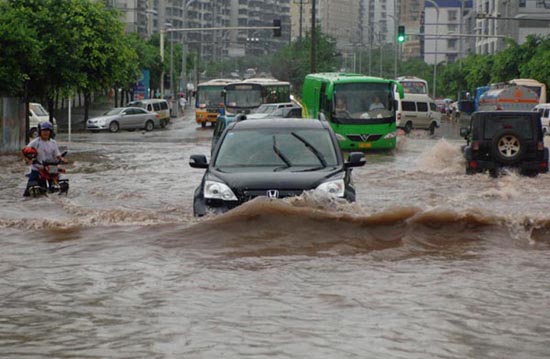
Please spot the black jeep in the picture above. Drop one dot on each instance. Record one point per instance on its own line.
(501, 139)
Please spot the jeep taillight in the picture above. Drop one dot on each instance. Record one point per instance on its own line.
(475, 145)
(399, 117)
(473, 164)
(540, 146)
(543, 165)
(157, 115)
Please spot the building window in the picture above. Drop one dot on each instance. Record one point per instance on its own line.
(451, 43)
(452, 27)
(452, 15)
(522, 3)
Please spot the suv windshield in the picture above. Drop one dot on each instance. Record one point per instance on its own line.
(362, 102)
(518, 123)
(279, 148)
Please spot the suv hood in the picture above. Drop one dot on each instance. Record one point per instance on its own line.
(282, 179)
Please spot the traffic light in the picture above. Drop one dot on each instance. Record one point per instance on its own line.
(277, 28)
(401, 33)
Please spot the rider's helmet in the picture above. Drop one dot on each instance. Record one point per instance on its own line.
(46, 125)
(30, 152)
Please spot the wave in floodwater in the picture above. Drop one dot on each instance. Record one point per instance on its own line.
(311, 223)
(308, 225)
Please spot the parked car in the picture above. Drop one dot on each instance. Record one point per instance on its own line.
(501, 139)
(37, 114)
(544, 110)
(127, 118)
(158, 106)
(417, 111)
(276, 159)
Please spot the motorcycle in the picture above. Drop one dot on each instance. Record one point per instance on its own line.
(49, 180)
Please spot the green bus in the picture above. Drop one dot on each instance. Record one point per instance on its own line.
(360, 109)
(276, 91)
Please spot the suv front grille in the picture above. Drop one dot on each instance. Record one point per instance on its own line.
(248, 195)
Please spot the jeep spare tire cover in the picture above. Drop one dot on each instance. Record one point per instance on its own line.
(508, 147)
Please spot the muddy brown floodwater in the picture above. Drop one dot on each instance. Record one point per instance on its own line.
(429, 263)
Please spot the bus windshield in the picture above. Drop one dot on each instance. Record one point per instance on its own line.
(244, 96)
(209, 96)
(362, 103)
(414, 86)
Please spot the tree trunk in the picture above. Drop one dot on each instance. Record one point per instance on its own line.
(86, 105)
(116, 96)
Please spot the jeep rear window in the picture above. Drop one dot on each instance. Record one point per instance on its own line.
(521, 125)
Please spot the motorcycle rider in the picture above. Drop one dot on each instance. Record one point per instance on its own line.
(42, 148)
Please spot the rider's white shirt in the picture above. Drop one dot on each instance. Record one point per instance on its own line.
(47, 150)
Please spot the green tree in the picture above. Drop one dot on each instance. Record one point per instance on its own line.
(20, 51)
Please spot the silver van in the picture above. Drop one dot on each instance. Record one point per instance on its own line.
(160, 107)
(417, 111)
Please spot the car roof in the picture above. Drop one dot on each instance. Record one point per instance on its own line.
(279, 122)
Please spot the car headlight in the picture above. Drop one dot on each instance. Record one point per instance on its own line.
(334, 187)
(339, 137)
(390, 135)
(218, 190)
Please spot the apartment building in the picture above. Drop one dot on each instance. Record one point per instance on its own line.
(516, 19)
(150, 16)
(447, 24)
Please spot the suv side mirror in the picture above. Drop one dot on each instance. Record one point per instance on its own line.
(355, 159)
(198, 161)
(464, 132)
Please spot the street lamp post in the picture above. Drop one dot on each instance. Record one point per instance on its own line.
(435, 46)
(183, 74)
(395, 45)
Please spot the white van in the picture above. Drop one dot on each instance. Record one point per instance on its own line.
(38, 114)
(160, 107)
(417, 111)
(544, 109)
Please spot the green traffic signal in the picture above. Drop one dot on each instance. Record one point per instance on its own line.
(401, 34)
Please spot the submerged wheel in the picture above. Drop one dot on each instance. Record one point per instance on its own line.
(432, 128)
(114, 127)
(33, 133)
(408, 127)
(203, 124)
(149, 125)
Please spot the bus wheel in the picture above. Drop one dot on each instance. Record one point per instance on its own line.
(203, 124)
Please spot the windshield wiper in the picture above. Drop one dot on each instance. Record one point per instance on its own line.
(281, 156)
(310, 147)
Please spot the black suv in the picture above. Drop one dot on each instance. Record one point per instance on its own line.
(275, 158)
(500, 139)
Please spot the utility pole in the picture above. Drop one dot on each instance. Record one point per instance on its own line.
(313, 55)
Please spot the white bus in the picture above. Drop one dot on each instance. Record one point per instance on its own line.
(413, 85)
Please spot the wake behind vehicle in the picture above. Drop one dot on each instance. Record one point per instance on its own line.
(276, 159)
(125, 118)
(505, 139)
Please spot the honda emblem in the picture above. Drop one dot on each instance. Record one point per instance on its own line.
(272, 193)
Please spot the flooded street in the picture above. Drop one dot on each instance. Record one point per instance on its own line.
(428, 263)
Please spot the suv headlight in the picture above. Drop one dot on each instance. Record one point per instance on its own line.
(333, 187)
(218, 190)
